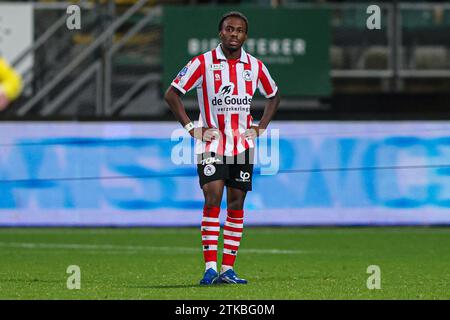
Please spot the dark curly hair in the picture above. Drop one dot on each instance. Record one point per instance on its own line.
(236, 14)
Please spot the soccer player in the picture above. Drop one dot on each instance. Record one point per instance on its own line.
(226, 79)
(10, 84)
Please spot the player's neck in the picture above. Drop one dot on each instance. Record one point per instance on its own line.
(231, 55)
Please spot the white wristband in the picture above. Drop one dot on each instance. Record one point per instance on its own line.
(189, 126)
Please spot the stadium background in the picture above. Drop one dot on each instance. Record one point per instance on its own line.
(89, 140)
(364, 141)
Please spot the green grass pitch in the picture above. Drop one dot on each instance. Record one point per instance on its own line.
(280, 263)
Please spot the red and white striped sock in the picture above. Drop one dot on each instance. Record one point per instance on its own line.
(210, 235)
(232, 234)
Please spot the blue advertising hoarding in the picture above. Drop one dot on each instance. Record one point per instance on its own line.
(140, 174)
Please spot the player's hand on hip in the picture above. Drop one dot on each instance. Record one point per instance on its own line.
(252, 133)
(205, 134)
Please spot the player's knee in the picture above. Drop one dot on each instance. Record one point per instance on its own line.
(213, 200)
(236, 204)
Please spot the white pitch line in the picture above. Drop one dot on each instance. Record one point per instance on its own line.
(300, 231)
(101, 231)
(31, 245)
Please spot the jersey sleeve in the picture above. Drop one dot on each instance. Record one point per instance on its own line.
(189, 77)
(266, 85)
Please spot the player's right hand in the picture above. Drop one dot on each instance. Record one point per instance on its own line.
(205, 134)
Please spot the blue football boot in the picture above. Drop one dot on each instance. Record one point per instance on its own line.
(230, 277)
(210, 277)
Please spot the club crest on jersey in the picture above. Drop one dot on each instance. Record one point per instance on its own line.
(216, 66)
(217, 77)
(226, 89)
(247, 75)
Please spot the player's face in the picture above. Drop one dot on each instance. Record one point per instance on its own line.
(233, 33)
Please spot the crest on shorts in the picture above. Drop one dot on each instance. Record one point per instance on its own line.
(209, 170)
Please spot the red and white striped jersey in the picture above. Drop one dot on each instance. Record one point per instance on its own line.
(225, 89)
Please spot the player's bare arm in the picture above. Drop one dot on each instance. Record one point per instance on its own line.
(172, 97)
(269, 112)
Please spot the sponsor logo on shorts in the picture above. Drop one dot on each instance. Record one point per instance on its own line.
(210, 160)
(209, 170)
(244, 177)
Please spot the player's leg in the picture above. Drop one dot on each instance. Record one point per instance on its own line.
(213, 193)
(212, 176)
(210, 228)
(234, 226)
(238, 184)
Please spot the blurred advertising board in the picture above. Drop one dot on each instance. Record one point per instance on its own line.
(292, 43)
(131, 174)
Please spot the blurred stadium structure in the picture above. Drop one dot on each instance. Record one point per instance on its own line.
(112, 67)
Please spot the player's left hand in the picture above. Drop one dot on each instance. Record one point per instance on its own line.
(252, 133)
